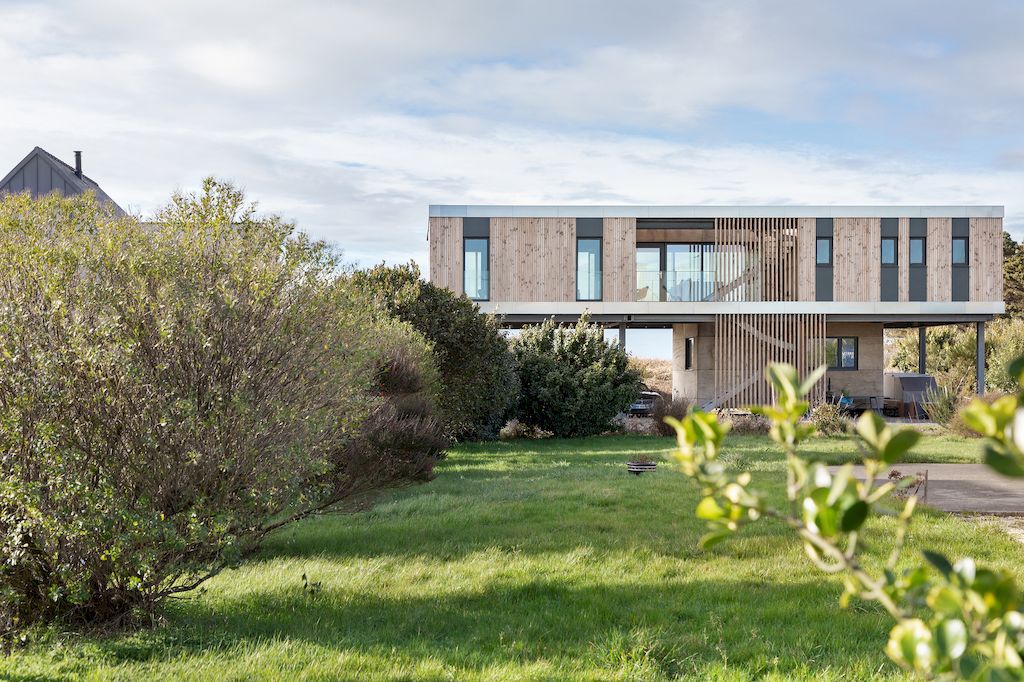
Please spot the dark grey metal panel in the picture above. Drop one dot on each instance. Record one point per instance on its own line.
(476, 228)
(823, 283)
(918, 227)
(674, 224)
(918, 284)
(823, 228)
(890, 284)
(589, 227)
(961, 227)
(890, 227)
(961, 284)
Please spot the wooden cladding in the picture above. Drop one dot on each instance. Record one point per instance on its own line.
(806, 235)
(445, 237)
(533, 259)
(756, 259)
(746, 344)
(857, 258)
(986, 246)
(939, 259)
(618, 260)
(903, 258)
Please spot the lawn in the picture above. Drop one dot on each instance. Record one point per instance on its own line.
(526, 560)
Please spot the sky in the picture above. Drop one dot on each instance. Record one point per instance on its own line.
(350, 118)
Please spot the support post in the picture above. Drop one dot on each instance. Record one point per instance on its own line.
(979, 359)
(622, 336)
(921, 350)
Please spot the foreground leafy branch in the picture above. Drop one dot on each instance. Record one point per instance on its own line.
(952, 620)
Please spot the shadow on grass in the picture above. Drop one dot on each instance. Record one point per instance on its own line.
(679, 628)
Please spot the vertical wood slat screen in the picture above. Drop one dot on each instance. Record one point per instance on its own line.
(756, 259)
(746, 343)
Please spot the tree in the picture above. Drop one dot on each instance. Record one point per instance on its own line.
(1013, 276)
(478, 379)
(572, 381)
(171, 392)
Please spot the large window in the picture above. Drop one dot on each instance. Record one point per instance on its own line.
(588, 269)
(841, 352)
(675, 272)
(888, 251)
(476, 271)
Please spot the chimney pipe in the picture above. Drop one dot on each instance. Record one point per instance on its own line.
(78, 164)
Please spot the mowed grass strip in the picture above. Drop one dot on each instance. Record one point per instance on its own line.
(529, 560)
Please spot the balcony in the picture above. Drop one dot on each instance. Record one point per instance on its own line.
(674, 285)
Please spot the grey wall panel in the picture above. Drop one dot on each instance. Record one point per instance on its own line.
(918, 227)
(918, 284)
(890, 284)
(590, 227)
(476, 227)
(823, 228)
(891, 227)
(961, 227)
(961, 284)
(823, 283)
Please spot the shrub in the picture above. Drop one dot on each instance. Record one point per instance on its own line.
(169, 393)
(572, 382)
(515, 429)
(676, 408)
(941, 405)
(749, 424)
(958, 426)
(830, 419)
(478, 379)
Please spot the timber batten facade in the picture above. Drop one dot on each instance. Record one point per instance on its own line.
(739, 286)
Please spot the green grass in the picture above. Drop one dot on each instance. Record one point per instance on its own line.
(527, 560)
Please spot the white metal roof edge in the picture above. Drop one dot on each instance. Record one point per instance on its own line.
(782, 211)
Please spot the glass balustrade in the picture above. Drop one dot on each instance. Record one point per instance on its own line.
(674, 285)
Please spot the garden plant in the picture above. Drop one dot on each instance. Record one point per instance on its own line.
(952, 618)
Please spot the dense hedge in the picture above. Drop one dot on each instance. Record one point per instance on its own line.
(170, 392)
(477, 373)
(572, 381)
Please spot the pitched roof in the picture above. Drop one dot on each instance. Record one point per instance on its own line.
(40, 172)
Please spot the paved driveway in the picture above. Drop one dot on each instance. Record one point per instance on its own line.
(965, 488)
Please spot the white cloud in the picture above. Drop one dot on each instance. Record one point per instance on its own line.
(351, 117)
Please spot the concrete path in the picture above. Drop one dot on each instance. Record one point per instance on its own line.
(972, 488)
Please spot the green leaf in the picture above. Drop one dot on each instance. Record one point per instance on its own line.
(873, 430)
(1016, 370)
(951, 638)
(709, 540)
(812, 379)
(854, 516)
(1004, 463)
(709, 510)
(940, 562)
(899, 445)
(910, 644)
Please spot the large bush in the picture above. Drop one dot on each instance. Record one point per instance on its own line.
(572, 381)
(477, 375)
(169, 392)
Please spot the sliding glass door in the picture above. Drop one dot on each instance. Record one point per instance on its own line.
(675, 272)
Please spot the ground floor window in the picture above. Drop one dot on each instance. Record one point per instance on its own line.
(690, 341)
(841, 352)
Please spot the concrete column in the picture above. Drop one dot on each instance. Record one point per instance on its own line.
(679, 332)
(979, 358)
(922, 350)
(622, 336)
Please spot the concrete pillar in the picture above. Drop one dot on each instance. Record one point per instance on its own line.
(922, 347)
(679, 334)
(979, 359)
(622, 336)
